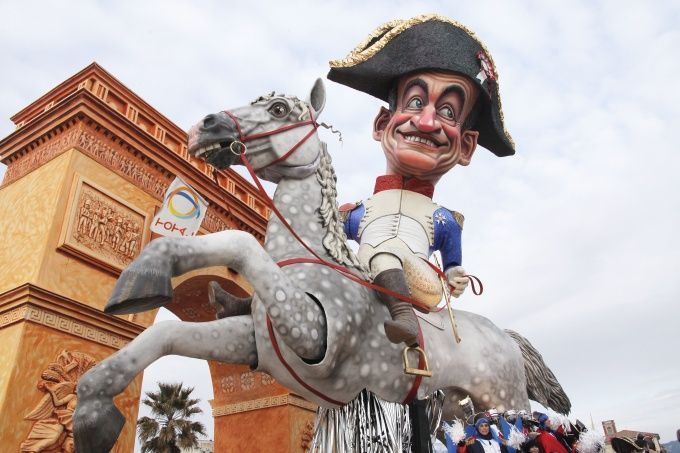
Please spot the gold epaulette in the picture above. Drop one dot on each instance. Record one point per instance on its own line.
(460, 219)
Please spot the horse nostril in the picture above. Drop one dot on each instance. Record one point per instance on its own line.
(210, 120)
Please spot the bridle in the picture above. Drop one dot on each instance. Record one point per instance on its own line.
(240, 149)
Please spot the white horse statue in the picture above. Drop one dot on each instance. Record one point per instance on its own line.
(315, 329)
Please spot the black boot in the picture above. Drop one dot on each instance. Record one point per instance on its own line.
(225, 303)
(403, 328)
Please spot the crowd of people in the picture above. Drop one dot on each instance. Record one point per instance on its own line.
(512, 432)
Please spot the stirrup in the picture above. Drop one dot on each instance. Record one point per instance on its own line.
(416, 371)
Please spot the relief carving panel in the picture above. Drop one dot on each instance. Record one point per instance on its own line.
(52, 430)
(103, 228)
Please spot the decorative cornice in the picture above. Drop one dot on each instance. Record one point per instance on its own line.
(61, 323)
(94, 96)
(29, 303)
(261, 403)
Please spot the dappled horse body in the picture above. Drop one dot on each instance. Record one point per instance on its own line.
(315, 328)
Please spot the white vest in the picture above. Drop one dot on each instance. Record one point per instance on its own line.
(397, 219)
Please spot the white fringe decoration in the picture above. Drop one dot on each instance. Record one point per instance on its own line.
(590, 441)
(516, 438)
(455, 430)
(558, 420)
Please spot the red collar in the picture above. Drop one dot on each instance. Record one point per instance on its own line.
(390, 182)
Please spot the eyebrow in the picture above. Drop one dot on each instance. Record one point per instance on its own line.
(416, 82)
(455, 89)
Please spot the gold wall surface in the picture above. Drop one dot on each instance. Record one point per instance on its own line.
(10, 339)
(269, 429)
(27, 210)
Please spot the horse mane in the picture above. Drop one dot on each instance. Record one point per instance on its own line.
(335, 240)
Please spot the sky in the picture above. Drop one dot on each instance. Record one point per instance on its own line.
(575, 237)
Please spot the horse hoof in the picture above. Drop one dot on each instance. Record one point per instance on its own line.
(139, 289)
(96, 426)
(225, 303)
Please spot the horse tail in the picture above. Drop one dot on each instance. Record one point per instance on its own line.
(542, 385)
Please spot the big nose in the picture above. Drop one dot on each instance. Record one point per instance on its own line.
(210, 121)
(427, 120)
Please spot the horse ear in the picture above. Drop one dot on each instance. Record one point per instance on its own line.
(317, 98)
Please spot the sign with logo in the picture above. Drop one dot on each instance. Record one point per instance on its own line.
(182, 211)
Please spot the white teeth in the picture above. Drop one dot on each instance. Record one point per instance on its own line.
(413, 138)
(205, 149)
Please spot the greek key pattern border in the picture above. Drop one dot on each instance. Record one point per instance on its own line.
(61, 323)
(262, 403)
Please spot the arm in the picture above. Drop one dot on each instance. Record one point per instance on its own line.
(448, 229)
(351, 215)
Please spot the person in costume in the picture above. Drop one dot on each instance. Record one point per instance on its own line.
(548, 438)
(442, 90)
(641, 442)
(484, 440)
(532, 446)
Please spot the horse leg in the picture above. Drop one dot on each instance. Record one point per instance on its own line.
(145, 284)
(225, 303)
(97, 422)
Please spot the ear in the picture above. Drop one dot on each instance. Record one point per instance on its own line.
(317, 98)
(467, 146)
(380, 122)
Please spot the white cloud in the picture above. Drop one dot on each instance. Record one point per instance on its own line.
(575, 237)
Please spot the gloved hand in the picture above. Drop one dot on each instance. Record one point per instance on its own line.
(457, 279)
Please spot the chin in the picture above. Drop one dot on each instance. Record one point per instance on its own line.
(418, 162)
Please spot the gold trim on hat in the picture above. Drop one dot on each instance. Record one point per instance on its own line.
(386, 32)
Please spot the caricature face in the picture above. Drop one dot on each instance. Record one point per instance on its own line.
(423, 138)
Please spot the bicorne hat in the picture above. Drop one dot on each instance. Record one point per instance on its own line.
(427, 42)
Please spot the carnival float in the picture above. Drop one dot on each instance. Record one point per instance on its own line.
(364, 335)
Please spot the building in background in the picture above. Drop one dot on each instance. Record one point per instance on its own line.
(87, 168)
(610, 432)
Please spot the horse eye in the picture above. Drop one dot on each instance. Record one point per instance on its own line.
(279, 109)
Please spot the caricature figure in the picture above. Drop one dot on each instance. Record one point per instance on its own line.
(441, 87)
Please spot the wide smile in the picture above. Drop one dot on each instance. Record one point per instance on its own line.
(421, 140)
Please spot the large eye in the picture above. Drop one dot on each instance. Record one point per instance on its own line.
(415, 103)
(279, 109)
(447, 112)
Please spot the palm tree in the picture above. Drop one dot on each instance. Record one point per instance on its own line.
(170, 427)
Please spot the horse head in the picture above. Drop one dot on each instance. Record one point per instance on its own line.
(275, 132)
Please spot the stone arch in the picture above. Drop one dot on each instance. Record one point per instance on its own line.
(91, 134)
